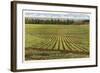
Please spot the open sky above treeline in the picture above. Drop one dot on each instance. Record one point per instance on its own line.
(57, 15)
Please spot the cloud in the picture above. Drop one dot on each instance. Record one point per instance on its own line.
(57, 15)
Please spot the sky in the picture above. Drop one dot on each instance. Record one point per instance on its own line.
(57, 15)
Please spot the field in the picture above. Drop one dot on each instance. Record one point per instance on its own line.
(43, 42)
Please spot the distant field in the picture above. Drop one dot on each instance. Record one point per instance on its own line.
(44, 42)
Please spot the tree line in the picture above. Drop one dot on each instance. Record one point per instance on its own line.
(29, 20)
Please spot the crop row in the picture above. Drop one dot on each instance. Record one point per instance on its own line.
(60, 42)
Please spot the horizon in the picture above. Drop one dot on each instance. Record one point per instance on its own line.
(57, 15)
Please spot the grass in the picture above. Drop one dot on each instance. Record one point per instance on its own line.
(56, 41)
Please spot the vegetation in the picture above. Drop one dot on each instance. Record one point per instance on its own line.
(29, 20)
(56, 38)
(56, 41)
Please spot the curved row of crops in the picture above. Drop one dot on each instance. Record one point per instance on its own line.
(60, 43)
(64, 38)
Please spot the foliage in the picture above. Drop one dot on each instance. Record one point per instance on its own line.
(29, 20)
